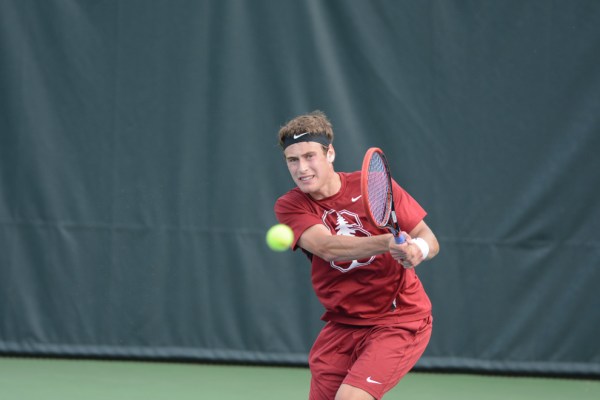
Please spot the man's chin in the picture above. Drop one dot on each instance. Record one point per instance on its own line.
(306, 187)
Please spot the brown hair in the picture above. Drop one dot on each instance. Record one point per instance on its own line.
(315, 122)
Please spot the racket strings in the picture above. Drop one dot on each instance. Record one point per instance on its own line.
(378, 190)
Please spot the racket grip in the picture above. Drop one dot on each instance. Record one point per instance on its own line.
(399, 239)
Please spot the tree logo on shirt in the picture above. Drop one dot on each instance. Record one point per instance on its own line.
(346, 223)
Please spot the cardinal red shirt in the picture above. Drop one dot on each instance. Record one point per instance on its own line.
(370, 291)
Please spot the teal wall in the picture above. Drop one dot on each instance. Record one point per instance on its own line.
(139, 168)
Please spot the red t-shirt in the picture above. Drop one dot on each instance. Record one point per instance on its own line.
(372, 291)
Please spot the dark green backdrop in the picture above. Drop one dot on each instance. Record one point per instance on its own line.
(139, 168)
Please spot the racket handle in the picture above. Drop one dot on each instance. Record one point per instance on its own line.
(399, 239)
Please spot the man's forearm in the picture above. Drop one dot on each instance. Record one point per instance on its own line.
(346, 248)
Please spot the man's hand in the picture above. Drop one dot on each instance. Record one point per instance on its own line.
(408, 254)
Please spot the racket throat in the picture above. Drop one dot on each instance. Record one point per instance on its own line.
(396, 228)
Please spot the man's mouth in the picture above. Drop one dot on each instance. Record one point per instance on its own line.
(305, 178)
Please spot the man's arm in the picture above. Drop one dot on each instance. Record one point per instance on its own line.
(319, 241)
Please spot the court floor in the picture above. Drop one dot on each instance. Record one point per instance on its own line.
(53, 379)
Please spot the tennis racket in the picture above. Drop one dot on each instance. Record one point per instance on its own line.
(376, 190)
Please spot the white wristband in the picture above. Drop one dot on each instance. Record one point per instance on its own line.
(422, 245)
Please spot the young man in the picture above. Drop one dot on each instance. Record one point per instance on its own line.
(378, 316)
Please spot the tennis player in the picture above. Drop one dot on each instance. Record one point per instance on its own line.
(378, 316)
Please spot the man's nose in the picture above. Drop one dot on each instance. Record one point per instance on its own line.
(302, 165)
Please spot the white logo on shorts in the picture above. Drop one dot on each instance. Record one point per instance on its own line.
(373, 381)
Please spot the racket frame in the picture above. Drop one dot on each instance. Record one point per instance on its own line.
(391, 221)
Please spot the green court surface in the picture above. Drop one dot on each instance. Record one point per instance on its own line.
(50, 379)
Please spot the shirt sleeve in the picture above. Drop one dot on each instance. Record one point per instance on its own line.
(294, 210)
(408, 211)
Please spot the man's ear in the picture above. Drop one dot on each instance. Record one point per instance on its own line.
(330, 155)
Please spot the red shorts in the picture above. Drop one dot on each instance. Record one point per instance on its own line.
(372, 358)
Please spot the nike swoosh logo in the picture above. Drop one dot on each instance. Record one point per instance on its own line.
(300, 135)
(373, 381)
(355, 199)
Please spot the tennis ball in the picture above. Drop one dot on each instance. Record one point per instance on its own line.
(280, 237)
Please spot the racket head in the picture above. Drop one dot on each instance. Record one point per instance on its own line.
(376, 187)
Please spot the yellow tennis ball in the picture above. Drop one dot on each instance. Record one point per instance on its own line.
(280, 237)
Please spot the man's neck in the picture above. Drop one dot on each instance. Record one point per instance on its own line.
(332, 187)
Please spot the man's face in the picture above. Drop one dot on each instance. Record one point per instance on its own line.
(309, 168)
